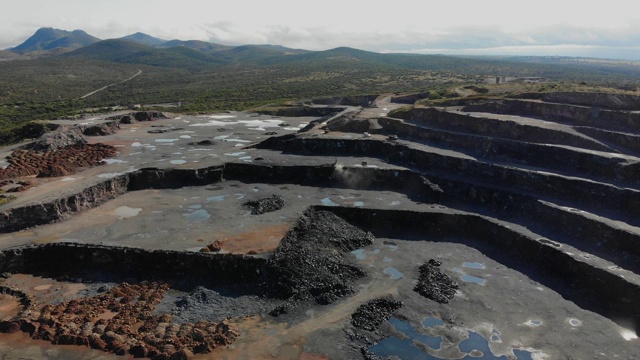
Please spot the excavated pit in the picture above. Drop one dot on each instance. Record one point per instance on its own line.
(527, 207)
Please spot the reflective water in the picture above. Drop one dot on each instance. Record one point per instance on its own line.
(474, 265)
(360, 254)
(197, 216)
(328, 202)
(393, 272)
(472, 279)
(216, 198)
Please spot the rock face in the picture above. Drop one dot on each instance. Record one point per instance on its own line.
(371, 314)
(149, 178)
(309, 263)
(434, 284)
(578, 115)
(410, 98)
(611, 101)
(60, 259)
(359, 100)
(265, 205)
(347, 124)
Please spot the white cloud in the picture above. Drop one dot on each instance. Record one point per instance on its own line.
(460, 26)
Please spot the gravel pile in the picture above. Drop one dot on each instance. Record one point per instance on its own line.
(434, 284)
(309, 264)
(371, 314)
(265, 205)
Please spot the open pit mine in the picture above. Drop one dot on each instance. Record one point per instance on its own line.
(346, 228)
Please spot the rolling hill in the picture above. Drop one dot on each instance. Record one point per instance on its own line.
(8, 55)
(143, 39)
(123, 51)
(203, 46)
(206, 76)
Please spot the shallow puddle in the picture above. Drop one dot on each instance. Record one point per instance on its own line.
(472, 279)
(360, 254)
(393, 272)
(197, 216)
(328, 202)
(124, 212)
(474, 265)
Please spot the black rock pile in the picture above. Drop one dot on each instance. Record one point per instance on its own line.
(309, 264)
(265, 205)
(374, 312)
(434, 284)
(203, 143)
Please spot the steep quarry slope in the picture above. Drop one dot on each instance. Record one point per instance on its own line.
(520, 213)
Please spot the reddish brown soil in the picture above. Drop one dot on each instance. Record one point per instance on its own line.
(13, 186)
(256, 241)
(120, 321)
(55, 163)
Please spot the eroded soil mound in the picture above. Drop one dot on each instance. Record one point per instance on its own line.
(121, 321)
(434, 284)
(309, 263)
(142, 116)
(61, 162)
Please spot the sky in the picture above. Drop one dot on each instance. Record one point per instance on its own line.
(606, 29)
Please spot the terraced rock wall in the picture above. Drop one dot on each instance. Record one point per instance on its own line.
(85, 260)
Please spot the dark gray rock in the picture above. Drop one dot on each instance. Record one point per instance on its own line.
(265, 205)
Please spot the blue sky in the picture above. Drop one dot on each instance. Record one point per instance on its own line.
(608, 29)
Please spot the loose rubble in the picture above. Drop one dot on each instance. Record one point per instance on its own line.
(434, 284)
(265, 205)
(121, 321)
(309, 263)
(374, 312)
(61, 162)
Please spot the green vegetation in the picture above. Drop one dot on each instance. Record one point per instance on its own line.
(237, 78)
(6, 198)
(30, 130)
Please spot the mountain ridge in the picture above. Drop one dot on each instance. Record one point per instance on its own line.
(143, 39)
(47, 38)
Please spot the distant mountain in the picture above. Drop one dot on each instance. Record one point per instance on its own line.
(55, 39)
(258, 52)
(109, 50)
(203, 46)
(124, 51)
(143, 39)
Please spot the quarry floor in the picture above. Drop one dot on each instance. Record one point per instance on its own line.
(497, 313)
